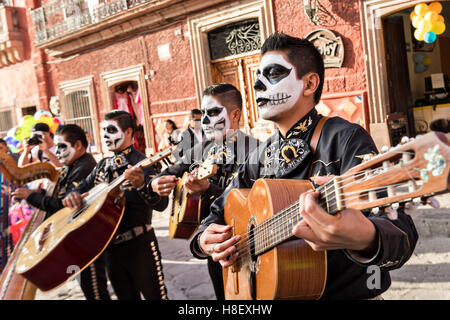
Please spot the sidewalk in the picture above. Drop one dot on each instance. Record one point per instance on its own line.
(425, 276)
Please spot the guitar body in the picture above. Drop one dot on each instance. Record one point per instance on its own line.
(291, 270)
(186, 212)
(71, 239)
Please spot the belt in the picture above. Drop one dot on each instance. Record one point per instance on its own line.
(131, 234)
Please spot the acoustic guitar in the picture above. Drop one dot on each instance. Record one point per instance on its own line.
(273, 264)
(14, 286)
(72, 238)
(187, 209)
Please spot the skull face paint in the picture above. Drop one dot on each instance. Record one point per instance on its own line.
(64, 150)
(277, 87)
(215, 120)
(112, 135)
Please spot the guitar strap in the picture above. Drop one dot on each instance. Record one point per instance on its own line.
(315, 140)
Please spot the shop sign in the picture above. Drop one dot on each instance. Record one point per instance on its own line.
(329, 45)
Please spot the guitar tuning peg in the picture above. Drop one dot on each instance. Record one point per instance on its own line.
(367, 157)
(404, 140)
(417, 201)
(384, 149)
(395, 206)
(375, 210)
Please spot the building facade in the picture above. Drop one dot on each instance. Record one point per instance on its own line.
(156, 56)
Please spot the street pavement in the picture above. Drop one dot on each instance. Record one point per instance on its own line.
(426, 276)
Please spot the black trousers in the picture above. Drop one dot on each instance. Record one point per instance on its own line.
(134, 268)
(93, 280)
(215, 273)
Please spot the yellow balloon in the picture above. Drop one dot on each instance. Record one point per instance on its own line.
(425, 25)
(426, 61)
(435, 6)
(416, 20)
(440, 18)
(421, 9)
(438, 28)
(431, 16)
(418, 34)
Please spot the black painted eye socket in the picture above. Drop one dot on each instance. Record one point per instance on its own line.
(213, 112)
(110, 129)
(275, 73)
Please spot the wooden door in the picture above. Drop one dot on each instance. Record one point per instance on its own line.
(400, 98)
(240, 72)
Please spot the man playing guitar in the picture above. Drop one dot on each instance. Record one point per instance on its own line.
(70, 149)
(221, 110)
(289, 85)
(133, 259)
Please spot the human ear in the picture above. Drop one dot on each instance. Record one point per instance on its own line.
(311, 82)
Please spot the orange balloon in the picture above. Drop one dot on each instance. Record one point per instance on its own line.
(435, 6)
(438, 28)
(431, 16)
(440, 18)
(412, 15)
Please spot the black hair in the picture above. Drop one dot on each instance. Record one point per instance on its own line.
(301, 53)
(194, 112)
(72, 134)
(227, 94)
(3, 141)
(123, 118)
(174, 126)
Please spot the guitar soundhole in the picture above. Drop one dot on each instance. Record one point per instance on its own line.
(76, 214)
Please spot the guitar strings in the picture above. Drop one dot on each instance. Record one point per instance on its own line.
(280, 217)
(283, 213)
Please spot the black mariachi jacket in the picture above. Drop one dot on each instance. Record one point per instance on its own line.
(342, 146)
(231, 154)
(138, 210)
(69, 178)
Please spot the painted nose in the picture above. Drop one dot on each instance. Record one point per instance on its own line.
(259, 86)
(205, 120)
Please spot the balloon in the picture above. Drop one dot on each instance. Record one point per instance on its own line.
(431, 16)
(41, 113)
(427, 61)
(440, 18)
(412, 15)
(421, 9)
(425, 25)
(435, 6)
(418, 57)
(419, 68)
(416, 20)
(429, 37)
(418, 34)
(438, 28)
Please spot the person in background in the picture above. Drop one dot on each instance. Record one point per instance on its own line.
(192, 135)
(39, 147)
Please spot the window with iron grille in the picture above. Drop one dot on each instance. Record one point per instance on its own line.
(78, 111)
(235, 38)
(6, 121)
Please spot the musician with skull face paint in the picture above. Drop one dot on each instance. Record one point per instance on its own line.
(70, 149)
(289, 85)
(221, 110)
(133, 259)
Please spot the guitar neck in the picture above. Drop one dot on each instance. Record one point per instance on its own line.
(408, 172)
(144, 164)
